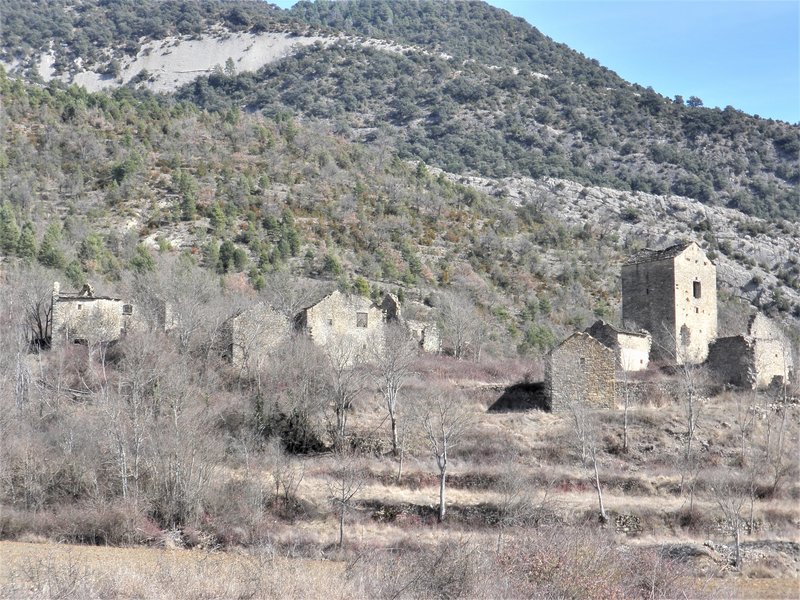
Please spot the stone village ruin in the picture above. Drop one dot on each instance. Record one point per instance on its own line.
(669, 299)
(669, 305)
(248, 337)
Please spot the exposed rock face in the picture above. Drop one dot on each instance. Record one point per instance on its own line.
(172, 62)
(672, 293)
(755, 249)
(580, 370)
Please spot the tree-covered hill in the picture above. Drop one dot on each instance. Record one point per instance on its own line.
(475, 91)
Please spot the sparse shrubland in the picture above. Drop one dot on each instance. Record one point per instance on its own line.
(316, 474)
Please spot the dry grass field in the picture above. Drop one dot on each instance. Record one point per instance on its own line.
(522, 512)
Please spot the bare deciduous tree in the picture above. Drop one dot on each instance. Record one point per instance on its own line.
(464, 326)
(444, 420)
(393, 365)
(587, 436)
(346, 481)
(347, 375)
(730, 492)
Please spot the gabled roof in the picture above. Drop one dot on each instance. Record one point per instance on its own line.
(650, 255)
(601, 323)
(580, 336)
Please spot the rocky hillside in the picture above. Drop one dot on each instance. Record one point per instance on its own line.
(501, 100)
(131, 176)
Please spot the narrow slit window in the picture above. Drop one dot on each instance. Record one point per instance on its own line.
(361, 319)
(696, 289)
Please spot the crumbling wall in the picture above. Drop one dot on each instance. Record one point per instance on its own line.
(632, 349)
(426, 334)
(581, 369)
(732, 361)
(339, 318)
(85, 318)
(253, 334)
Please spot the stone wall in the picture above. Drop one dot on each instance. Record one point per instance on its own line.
(632, 349)
(426, 334)
(732, 361)
(695, 304)
(250, 336)
(754, 360)
(338, 318)
(648, 302)
(673, 295)
(580, 369)
(86, 318)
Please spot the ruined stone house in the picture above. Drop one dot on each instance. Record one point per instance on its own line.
(631, 348)
(753, 360)
(672, 293)
(249, 336)
(581, 370)
(338, 318)
(424, 330)
(82, 317)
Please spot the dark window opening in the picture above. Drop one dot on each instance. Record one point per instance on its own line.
(361, 319)
(127, 309)
(330, 322)
(696, 289)
(80, 306)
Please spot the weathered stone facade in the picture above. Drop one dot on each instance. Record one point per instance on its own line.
(251, 335)
(672, 293)
(580, 369)
(338, 318)
(83, 317)
(631, 348)
(427, 335)
(426, 332)
(753, 360)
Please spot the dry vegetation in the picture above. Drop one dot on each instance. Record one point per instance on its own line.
(210, 481)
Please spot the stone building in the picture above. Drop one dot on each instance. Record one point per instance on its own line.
(423, 329)
(83, 317)
(755, 359)
(339, 318)
(580, 369)
(631, 348)
(672, 293)
(249, 336)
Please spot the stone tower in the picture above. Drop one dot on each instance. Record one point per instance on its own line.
(672, 293)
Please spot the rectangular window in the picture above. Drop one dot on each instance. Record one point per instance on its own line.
(696, 289)
(127, 309)
(361, 319)
(80, 306)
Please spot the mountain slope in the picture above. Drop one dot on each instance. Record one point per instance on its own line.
(459, 85)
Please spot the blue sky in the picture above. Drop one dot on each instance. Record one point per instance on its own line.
(742, 53)
(739, 53)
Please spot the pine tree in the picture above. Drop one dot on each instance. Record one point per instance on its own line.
(26, 245)
(9, 232)
(142, 261)
(50, 254)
